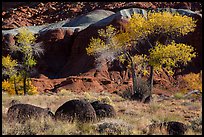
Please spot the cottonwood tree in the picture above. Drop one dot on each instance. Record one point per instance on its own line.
(26, 46)
(156, 32)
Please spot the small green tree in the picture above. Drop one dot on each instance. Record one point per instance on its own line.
(27, 47)
(155, 28)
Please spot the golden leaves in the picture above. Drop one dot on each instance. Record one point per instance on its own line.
(170, 54)
(169, 23)
(8, 62)
(96, 45)
(9, 87)
(194, 81)
(141, 28)
(25, 37)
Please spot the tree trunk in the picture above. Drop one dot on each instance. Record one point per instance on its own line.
(24, 85)
(134, 78)
(151, 79)
(15, 87)
(147, 97)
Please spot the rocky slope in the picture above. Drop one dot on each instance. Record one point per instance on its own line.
(65, 63)
(16, 14)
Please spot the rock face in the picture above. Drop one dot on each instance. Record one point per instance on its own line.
(17, 14)
(7, 40)
(24, 112)
(103, 110)
(78, 110)
(57, 44)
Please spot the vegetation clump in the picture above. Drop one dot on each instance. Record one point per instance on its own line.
(17, 73)
(114, 127)
(148, 41)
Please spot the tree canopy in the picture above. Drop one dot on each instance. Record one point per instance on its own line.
(156, 31)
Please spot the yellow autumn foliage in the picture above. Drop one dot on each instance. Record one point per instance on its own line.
(8, 62)
(170, 23)
(107, 41)
(194, 81)
(8, 86)
(25, 37)
(169, 55)
(149, 30)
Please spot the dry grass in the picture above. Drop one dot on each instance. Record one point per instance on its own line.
(132, 116)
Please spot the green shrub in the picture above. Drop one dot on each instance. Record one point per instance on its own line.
(114, 127)
(196, 124)
(178, 95)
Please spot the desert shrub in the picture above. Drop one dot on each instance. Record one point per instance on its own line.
(196, 124)
(178, 95)
(89, 97)
(114, 127)
(126, 94)
(154, 107)
(30, 127)
(106, 99)
(48, 127)
(64, 92)
(143, 89)
(166, 117)
(86, 129)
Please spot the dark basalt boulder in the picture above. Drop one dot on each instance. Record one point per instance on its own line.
(170, 128)
(78, 110)
(176, 128)
(103, 110)
(23, 112)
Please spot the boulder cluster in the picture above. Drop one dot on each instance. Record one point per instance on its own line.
(72, 110)
(80, 111)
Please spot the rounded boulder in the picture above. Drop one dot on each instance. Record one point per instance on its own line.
(23, 112)
(103, 110)
(79, 110)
